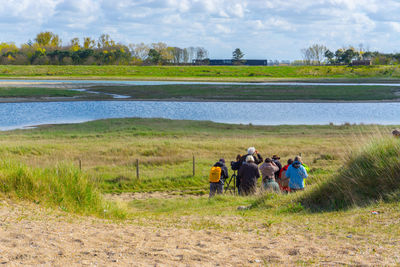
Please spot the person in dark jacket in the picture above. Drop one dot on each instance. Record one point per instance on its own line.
(235, 165)
(396, 133)
(248, 174)
(219, 186)
(275, 159)
(251, 151)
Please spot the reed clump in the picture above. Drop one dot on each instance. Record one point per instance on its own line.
(370, 174)
(63, 187)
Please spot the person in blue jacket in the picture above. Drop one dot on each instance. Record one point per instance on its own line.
(296, 174)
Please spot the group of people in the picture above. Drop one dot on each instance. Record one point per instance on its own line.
(275, 177)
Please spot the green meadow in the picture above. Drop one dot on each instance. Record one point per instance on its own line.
(203, 73)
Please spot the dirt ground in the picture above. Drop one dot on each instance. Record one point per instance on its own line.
(32, 235)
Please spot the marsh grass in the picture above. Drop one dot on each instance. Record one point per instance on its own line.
(369, 175)
(63, 187)
(37, 92)
(225, 92)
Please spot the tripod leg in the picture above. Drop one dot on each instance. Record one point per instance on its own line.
(227, 186)
(234, 188)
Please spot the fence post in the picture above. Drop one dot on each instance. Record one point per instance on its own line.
(194, 166)
(137, 169)
(80, 164)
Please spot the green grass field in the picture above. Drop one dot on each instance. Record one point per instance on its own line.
(202, 73)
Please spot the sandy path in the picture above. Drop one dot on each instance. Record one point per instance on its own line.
(30, 235)
(128, 196)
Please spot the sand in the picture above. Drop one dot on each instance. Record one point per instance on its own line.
(32, 235)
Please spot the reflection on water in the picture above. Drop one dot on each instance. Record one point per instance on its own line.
(18, 115)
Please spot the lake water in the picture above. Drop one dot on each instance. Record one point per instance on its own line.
(19, 115)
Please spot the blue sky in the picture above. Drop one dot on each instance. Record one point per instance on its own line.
(271, 29)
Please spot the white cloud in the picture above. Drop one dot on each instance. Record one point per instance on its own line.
(395, 26)
(259, 27)
(221, 29)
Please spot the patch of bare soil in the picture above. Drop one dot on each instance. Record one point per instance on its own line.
(31, 235)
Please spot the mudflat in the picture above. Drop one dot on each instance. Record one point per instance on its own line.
(25, 91)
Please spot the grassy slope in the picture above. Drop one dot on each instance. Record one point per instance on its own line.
(253, 92)
(222, 73)
(369, 175)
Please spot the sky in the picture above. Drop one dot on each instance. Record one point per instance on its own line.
(262, 29)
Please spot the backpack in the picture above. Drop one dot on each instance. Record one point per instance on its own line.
(215, 174)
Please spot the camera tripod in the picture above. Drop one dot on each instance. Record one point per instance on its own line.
(228, 188)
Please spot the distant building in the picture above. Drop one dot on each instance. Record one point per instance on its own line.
(231, 62)
(364, 62)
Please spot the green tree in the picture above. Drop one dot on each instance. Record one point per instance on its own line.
(237, 56)
(154, 56)
(330, 56)
(339, 55)
(349, 55)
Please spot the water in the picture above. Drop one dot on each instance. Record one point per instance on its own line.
(19, 115)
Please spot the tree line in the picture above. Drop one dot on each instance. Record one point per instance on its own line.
(47, 49)
(317, 54)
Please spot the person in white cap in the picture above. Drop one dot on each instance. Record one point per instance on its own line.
(248, 174)
(257, 159)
